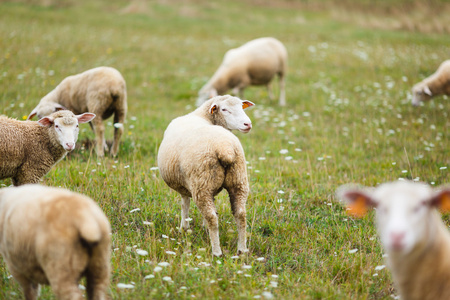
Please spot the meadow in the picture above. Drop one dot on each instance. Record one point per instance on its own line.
(348, 119)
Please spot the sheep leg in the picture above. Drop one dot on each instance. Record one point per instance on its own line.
(119, 118)
(269, 91)
(185, 202)
(238, 200)
(282, 89)
(206, 206)
(98, 272)
(30, 290)
(99, 130)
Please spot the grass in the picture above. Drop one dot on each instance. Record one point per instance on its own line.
(348, 119)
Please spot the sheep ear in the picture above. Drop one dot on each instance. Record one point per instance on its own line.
(213, 109)
(358, 202)
(427, 91)
(246, 103)
(84, 118)
(46, 121)
(441, 200)
(32, 114)
(59, 107)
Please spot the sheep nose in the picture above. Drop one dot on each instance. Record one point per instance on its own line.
(397, 239)
(248, 125)
(70, 146)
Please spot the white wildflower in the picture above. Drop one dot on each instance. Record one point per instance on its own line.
(141, 252)
(125, 286)
(353, 251)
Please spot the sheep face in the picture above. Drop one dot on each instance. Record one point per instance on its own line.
(420, 93)
(403, 211)
(65, 126)
(230, 114)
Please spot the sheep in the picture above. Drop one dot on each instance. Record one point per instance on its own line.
(54, 236)
(199, 156)
(101, 91)
(29, 149)
(254, 63)
(434, 85)
(414, 237)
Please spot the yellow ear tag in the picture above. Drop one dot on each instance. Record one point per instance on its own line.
(445, 203)
(358, 208)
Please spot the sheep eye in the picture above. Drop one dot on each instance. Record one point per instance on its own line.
(56, 126)
(223, 109)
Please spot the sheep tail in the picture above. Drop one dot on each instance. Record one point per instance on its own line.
(89, 229)
(226, 154)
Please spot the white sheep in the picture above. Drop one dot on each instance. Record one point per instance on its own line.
(28, 149)
(412, 233)
(101, 91)
(54, 236)
(199, 156)
(254, 63)
(434, 85)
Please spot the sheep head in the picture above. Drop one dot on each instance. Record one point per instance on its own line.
(420, 92)
(228, 112)
(65, 126)
(403, 211)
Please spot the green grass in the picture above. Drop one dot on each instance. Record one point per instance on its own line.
(348, 119)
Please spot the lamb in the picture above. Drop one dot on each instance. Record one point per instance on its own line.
(101, 91)
(254, 63)
(434, 85)
(199, 156)
(29, 149)
(414, 237)
(54, 236)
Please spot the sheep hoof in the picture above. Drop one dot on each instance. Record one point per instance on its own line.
(242, 251)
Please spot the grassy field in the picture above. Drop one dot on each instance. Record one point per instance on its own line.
(348, 119)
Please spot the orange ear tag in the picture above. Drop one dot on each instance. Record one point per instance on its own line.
(245, 105)
(445, 203)
(358, 208)
(213, 109)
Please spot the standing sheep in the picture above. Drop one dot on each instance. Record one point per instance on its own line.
(434, 85)
(101, 91)
(254, 63)
(412, 233)
(199, 156)
(54, 236)
(28, 150)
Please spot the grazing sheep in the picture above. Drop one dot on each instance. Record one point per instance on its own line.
(101, 91)
(54, 236)
(254, 63)
(199, 156)
(434, 85)
(414, 237)
(28, 149)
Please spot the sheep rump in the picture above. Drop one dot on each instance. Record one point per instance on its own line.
(54, 236)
